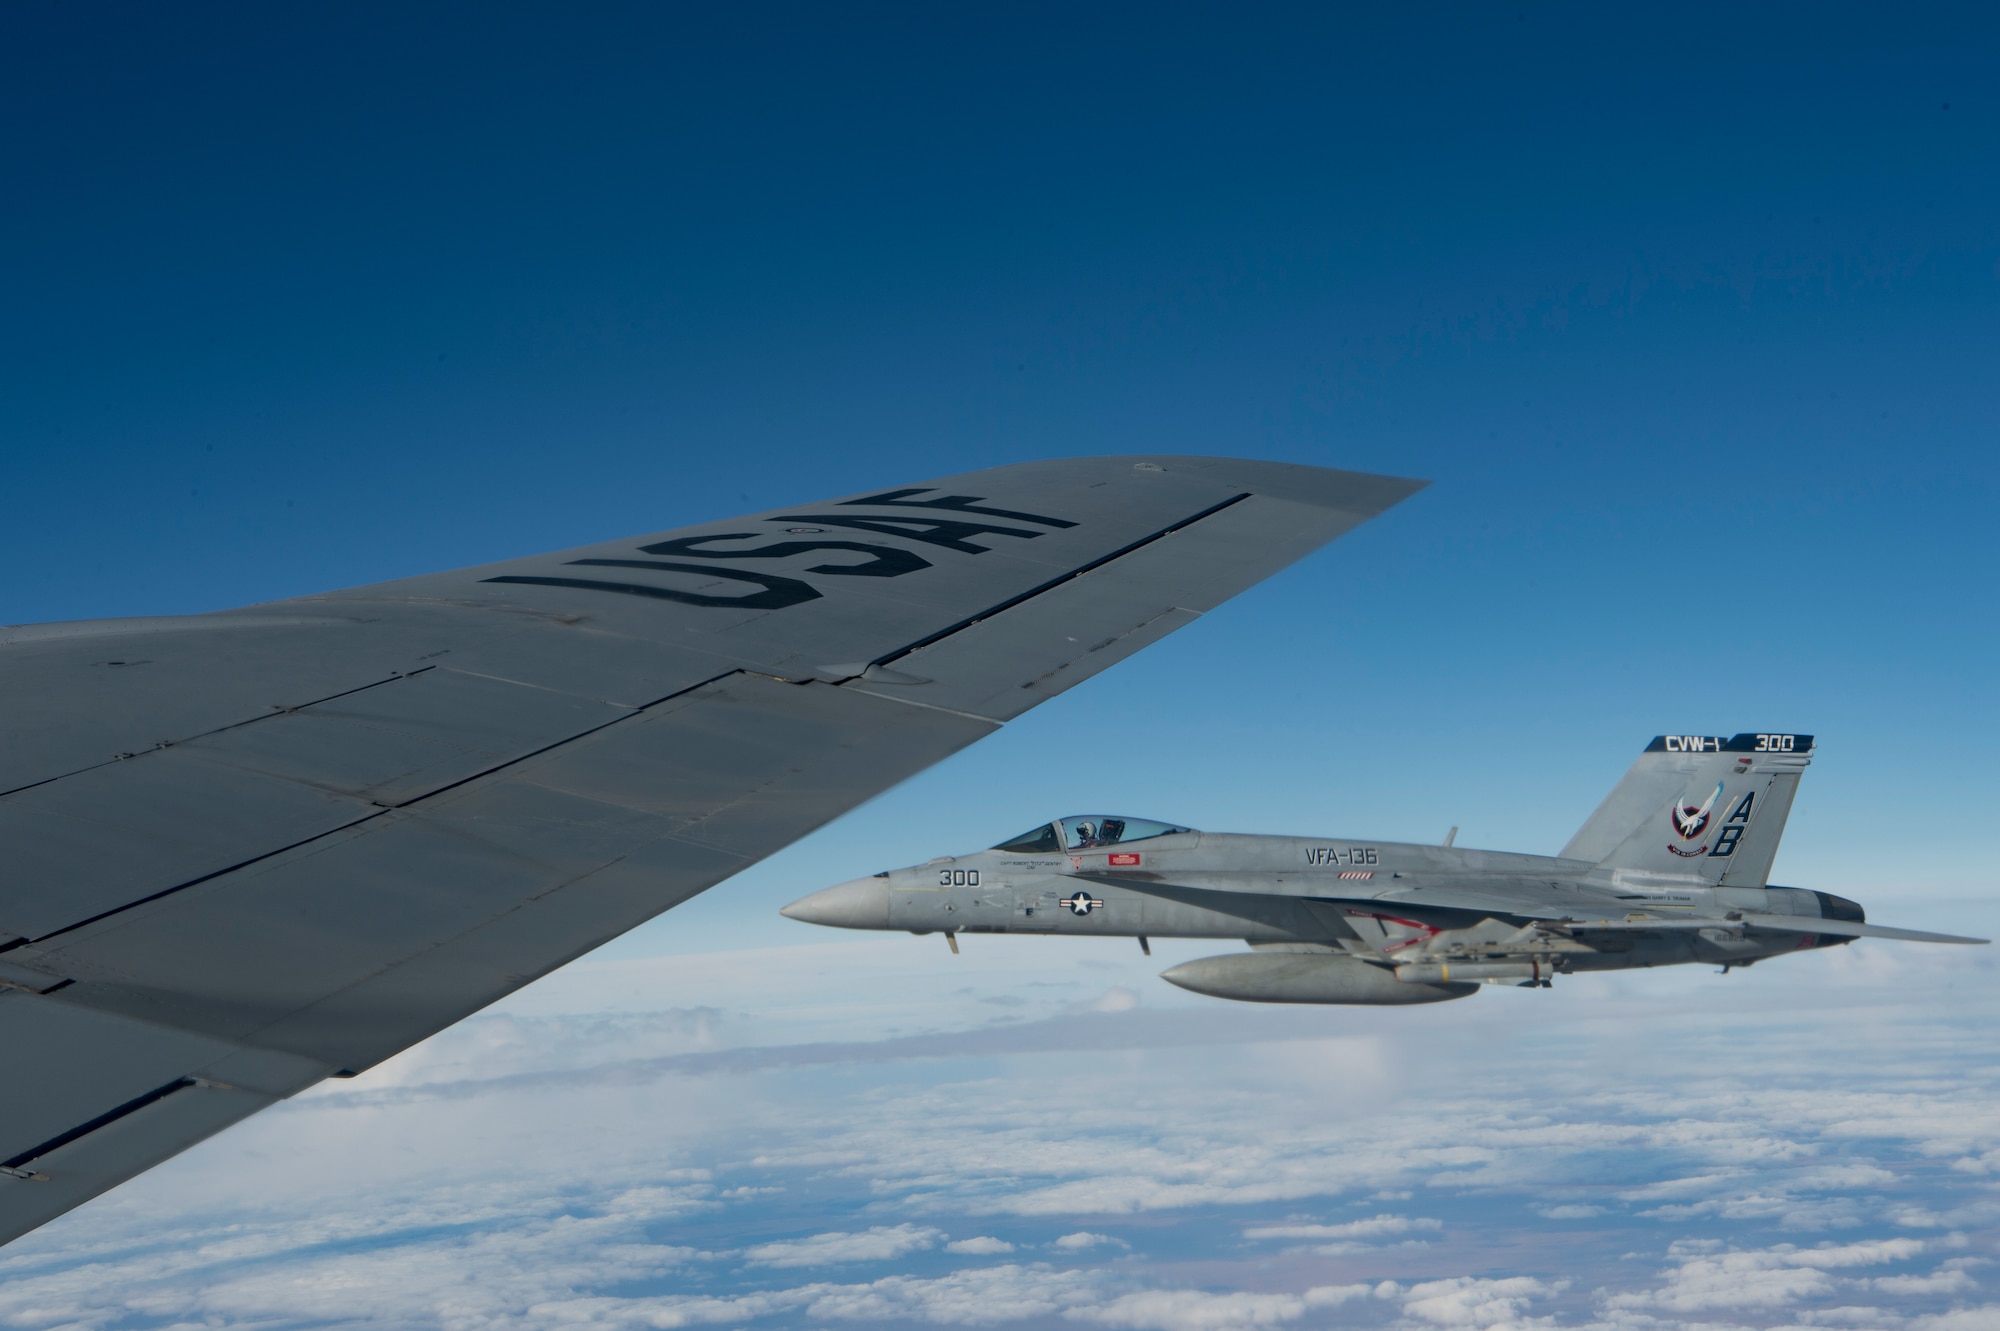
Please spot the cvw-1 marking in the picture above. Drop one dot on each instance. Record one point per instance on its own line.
(1741, 744)
(958, 878)
(1330, 855)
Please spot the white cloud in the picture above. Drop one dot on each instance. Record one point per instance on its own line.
(973, 1296)
(1765, 1278)
(1469, 1302)
(1704, 1285)
(880, 1244)
(1373, 1227)
(1983, 1318)
(1945, 1280)
(1680, 1187)
(1872, 1253)
(483, 1254)
(835, 1113)
(1850, 1316)
(1199, 1310)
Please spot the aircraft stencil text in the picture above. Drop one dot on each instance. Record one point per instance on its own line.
(1342, 855)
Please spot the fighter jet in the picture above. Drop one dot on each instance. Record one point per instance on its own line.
(1671, 869)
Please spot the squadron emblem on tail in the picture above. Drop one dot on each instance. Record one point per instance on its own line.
(1690, 822)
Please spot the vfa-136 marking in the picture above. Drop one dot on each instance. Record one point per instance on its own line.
(1673, 868)
(1330, 855)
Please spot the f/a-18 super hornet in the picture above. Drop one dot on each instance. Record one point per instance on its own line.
(249, 850)
(1671, 869)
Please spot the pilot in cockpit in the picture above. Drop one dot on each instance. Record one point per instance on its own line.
(1088, 832)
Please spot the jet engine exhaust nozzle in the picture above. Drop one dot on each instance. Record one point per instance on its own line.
(861, 903)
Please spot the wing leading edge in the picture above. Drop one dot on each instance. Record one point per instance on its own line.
(251, 850)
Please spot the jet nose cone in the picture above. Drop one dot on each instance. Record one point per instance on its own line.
(860, 904)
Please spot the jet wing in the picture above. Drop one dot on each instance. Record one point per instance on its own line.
(250, 850)
(1553, 904)
(1582, 913)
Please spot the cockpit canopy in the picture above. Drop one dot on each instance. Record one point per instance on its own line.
(1086, 831)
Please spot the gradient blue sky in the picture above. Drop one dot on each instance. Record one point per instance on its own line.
(1690, 314)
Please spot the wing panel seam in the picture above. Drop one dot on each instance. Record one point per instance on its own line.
(13, 1164)
(365, 818)
(1059, 580)
(277, 710)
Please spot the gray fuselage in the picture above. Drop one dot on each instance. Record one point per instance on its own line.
(1328, 893)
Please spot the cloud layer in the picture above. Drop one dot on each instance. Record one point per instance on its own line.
(1644, 1153)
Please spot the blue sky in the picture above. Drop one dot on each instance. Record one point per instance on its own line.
(1689, 314)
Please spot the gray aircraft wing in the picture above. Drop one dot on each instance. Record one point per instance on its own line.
(1547, 902)
(250, 850)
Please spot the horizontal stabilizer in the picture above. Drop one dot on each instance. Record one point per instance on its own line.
(1852, 929)
(1797, 924)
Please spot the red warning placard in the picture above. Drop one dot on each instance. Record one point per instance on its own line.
(1123, 857)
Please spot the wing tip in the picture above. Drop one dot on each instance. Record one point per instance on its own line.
(1364, 493)
(1359, 494)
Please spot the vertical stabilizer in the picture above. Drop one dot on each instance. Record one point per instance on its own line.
(1699, 806)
